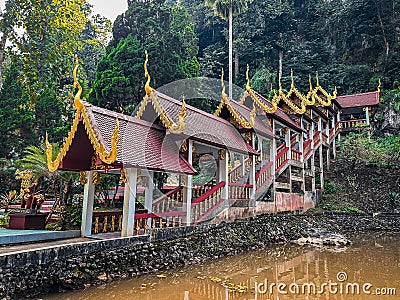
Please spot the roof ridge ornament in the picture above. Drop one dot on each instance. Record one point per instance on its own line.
(147, 86)
(247, 79)
(77, 99)
(316, 77)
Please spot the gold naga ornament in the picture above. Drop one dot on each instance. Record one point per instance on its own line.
(151, 95)
(107, 157)
(225, 101)
(328, 97)
(261, 104)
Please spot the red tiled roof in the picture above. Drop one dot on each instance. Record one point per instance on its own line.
(260, 127)
(142, 144)
(357, 100)
(205, 127)
(279, 114)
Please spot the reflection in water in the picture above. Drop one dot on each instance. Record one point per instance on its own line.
(373, 259)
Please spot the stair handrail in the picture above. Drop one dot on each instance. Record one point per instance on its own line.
(165, 196)
(264, 169)
(208, 193)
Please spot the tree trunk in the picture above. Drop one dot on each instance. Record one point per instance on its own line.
(230, 50)
(2, 55)
(385, 41)
(236, 64)
(280, 66)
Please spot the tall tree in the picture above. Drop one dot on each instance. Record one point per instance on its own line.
(168, 35)
(226, 9)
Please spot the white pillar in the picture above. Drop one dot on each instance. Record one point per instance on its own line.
(367, 115)
(338, 120)
(87, 209)
(273, 159)
(242, 166)
(128, 213)
(288, 144)
(321, 166)
(252, 178)
(148, 195)
(189, 185)
(223, 172)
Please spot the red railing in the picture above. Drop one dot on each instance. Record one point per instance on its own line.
(281, 158)
(317, 139)
(296, 155)
(293, 140)
(206, 203)
(263, 175)
(168, 201)
(159, 220)
(307, 148)
(331, 133)
(324, 138)
(236, 172)
(238, 191)
(337, 127)
(198, 190)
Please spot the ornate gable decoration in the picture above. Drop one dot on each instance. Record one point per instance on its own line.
(237, 117)
(152, 96)
(81, 115)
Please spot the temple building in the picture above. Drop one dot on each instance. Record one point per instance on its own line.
(256, 155)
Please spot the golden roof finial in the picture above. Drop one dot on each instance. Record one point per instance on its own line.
(247, 78)
(316, 77)
(223, 94)
(147, 87)
(379, 85)
(77, 99)
(291, 76)
(335, 92)
(310, 81)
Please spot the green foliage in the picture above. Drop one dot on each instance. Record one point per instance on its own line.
(72, 216)
(168, 35)
(17, 118)
(4, 221)
(330, 187)
(362, 149)
(393, 200)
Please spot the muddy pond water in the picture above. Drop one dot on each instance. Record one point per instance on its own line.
(368, 270)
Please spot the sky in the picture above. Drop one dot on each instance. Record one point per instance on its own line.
(108, 8)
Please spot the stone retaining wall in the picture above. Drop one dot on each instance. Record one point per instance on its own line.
(65, 267)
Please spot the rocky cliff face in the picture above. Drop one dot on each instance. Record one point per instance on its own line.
(386, 121)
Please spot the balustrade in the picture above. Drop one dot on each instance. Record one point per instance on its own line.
(263, 175)
(293, 140)
(162, 220)
(331, 133)
(296, 155)
(317, 139)
(239, 191)
(307, 148)
(281, 157)
(199, 190)
(106, 221)
(324, 138)
(353, 123)
(205, 202)
(168, 201)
